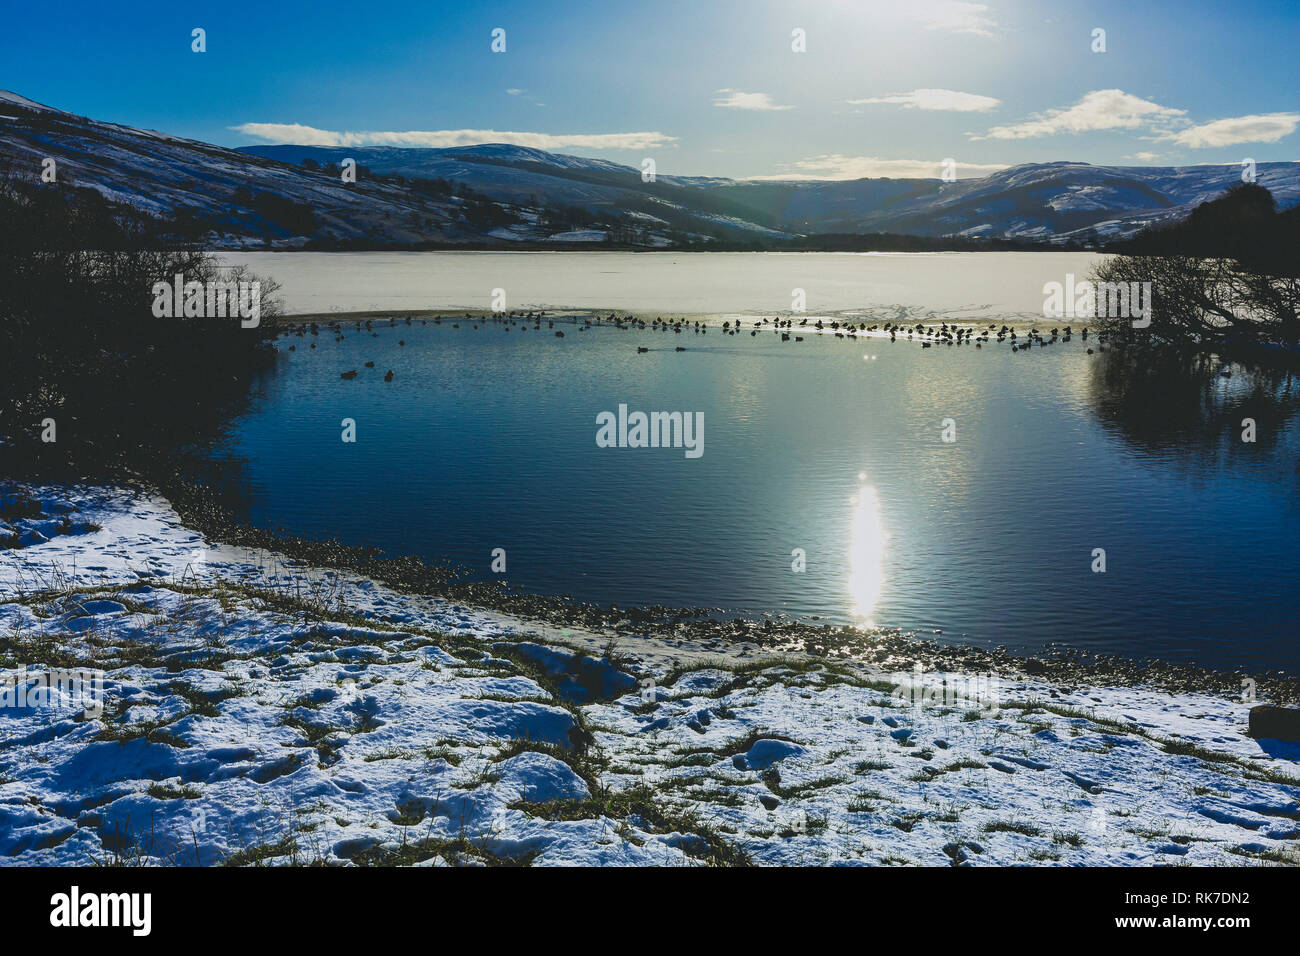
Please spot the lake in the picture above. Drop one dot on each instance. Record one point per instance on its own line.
(830, 450)
(949, 284)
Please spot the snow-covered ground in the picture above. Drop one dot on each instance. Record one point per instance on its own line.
(256, 710)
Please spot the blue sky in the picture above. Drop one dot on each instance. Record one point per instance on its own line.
(708, 87)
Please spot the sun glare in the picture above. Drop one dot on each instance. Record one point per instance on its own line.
(866, 554)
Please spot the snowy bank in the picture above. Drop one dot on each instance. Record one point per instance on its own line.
(251, 709)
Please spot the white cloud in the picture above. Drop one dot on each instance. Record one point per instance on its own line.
(1144, 157)
(952, 16)
(928, 99)
(1267, 128)
(296, 133)
(301, 135)
(736, 100)
(1098, 110)
(839, 166)
(516, 92)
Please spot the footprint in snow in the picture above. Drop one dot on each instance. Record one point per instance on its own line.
(1090, 785)
(102, 607)
(1026, 762)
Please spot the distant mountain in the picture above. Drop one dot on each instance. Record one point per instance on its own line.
(1035, 201)
(1038, 201)
(519, 174)
(290, 196)
(230, 198)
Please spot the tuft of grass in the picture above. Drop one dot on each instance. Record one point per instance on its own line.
(732, 748)
(865, 766)
(163, 791)
(865, 802)
(458, 851)
(317, 736)
(907, 821)
(586, 764)
(257, 854)
(442, 752)
(1182, 748)
(927, 774)
(1002, 826)
(151, 730)
(387, 753)
(648, 809)
(772, 780)
(202, 703)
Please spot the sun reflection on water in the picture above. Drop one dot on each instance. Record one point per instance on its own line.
(866, 554)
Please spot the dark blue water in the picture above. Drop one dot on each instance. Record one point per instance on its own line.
(486, 439)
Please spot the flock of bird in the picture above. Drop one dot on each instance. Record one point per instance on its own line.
(929, 336)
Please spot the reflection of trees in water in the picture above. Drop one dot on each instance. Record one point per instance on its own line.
(173, 432)
(1180, 406)
(200, 471)
(127, 431)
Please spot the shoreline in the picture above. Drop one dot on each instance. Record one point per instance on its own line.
(198, 510)
(573, 315)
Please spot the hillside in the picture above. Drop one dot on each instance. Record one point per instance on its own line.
(230, 198)
(493, 194)
(1040, 201)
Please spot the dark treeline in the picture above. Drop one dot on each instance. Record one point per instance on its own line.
(1226, 278)
(83, 358)
(1243, 224)
(872, 242)
(296, 218)
(890, 242)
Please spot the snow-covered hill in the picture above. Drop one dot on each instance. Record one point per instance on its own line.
(164, 176)
(231, 198)
(1033, 201)
(1067, 199)
(167, 176)
(518, 174)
